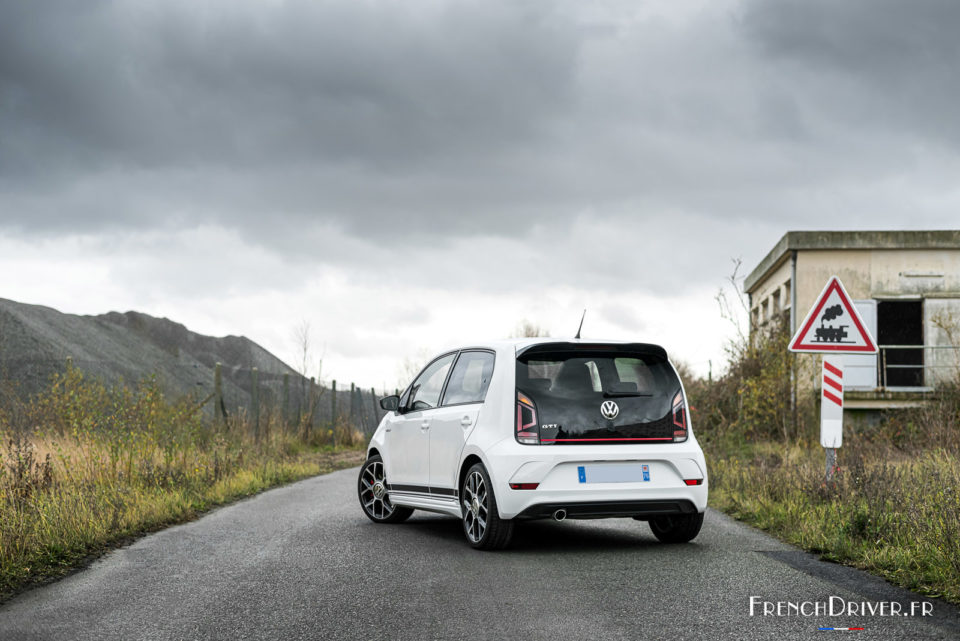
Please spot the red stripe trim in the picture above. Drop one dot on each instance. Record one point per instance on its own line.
(816, 349)
(564, 440)
(832, 383)
(833, 398)
(836, 371)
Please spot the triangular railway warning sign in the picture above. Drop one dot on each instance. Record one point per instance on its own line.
(833, 325)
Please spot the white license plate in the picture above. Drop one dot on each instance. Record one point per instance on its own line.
(614, 473)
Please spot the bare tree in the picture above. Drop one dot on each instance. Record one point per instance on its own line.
(302, 339)
(411, 366)
(309, 396)
(529, 329)
(728, 308)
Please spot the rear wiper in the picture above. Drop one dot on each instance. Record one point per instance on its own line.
(624, 394)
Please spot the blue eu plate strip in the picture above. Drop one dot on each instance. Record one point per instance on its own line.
(582, 473)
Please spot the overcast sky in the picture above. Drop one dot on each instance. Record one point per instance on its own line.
(410, 175)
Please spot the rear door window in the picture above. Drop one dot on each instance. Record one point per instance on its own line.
(470, 378)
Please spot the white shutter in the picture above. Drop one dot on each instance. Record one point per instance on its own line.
(860, 370)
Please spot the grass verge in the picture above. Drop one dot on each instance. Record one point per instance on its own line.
(893, 508)
(86, 468)
(896, 517)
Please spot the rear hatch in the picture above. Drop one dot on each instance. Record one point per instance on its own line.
(581, 394)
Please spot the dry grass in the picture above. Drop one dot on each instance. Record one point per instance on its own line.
(894, 507)
(84, 467)
(899, 519)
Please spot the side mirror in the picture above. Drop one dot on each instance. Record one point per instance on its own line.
(390, 403)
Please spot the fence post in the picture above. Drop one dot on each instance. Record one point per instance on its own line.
(333, 410)
(353, 390)
(69, 364)
(255, 402)
(311, 405)
(219, 411)
(285, 411)
(376, 414)
(333, 402)
(303, 404)
(361, 413)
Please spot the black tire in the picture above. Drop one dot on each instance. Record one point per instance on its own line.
(677, 529)
(482, 525)
(374, 498)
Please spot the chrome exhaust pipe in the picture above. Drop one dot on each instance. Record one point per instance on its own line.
(559, 515)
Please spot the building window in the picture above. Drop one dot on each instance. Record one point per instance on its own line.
(776, 301)
(765, 310)
(899, 328)
(786, 295)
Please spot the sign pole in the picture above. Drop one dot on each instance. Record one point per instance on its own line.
(833, 327)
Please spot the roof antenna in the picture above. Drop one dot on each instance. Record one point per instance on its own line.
(581, 324)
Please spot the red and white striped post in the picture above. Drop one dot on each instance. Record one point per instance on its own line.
(831, 410)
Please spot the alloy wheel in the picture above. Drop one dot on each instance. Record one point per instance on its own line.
(476, 506)
(373, 491)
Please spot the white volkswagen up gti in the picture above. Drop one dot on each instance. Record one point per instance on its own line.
(539, 428)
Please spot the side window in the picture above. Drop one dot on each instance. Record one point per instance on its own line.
(425, 391)
(470, 378)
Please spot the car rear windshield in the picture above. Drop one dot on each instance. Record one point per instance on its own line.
(603, 396)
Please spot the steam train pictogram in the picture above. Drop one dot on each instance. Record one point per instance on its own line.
(831, 334)
(826, 334)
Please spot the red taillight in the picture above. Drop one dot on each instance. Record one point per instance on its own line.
(679, 418)
(693, 481)
(527, 430)
(524, 486)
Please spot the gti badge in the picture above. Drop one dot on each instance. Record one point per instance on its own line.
(609, 409)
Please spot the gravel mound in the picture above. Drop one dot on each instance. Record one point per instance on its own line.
(35, 342)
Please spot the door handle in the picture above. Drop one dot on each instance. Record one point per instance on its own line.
(466, 421)
(425, 425)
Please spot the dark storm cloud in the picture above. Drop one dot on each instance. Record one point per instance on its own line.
(878, 64)
(189, 83)
(567, 139)
(332, 108)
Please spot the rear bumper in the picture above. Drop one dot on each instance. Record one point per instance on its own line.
(555, 471)
(606, 509)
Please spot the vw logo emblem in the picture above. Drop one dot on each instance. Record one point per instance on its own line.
(609, 409)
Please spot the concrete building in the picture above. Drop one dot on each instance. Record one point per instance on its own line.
(906, 286)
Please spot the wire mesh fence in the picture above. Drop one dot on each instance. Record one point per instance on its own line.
(224, 392)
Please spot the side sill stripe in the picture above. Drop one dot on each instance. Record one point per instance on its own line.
(422, 489)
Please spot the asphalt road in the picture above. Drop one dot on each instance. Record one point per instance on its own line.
(302, 562)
